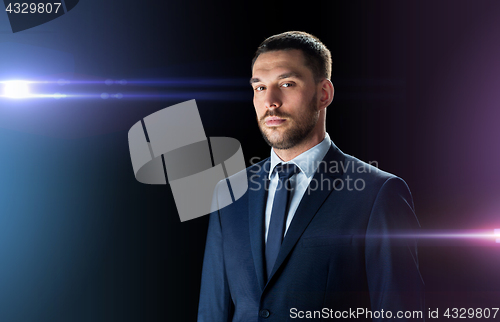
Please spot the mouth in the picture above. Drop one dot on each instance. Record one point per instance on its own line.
(274, 121)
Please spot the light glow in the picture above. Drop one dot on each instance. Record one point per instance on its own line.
(16, 89)
(171, 88)
(491, 235)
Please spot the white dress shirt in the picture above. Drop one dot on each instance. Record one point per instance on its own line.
(307, 162)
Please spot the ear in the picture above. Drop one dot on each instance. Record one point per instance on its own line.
(326, 93)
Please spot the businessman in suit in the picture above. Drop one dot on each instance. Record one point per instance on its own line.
(319, 234)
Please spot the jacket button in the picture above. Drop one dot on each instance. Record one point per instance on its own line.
(264, 313)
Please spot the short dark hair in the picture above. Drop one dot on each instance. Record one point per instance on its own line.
(318, 57)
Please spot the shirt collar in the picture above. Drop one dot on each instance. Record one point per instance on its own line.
(307, 161)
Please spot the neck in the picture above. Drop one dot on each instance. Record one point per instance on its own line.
(309, 142)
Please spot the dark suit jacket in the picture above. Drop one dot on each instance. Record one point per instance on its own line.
(347, 247)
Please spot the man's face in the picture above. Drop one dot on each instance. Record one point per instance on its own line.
(285, 98)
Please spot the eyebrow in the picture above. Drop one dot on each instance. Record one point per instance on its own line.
(282, 76)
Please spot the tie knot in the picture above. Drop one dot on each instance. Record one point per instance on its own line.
(285, 171)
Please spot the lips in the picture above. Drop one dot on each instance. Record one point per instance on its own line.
(274, 121)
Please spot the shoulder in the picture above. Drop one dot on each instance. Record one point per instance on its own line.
(387, 190)
(236, 184)
(261, 166)
(369, 170)
(386, 195)
(340, 164)
(371, 174)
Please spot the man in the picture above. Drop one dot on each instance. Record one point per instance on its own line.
(319, 234)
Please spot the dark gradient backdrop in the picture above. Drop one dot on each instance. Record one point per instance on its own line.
(417, 89)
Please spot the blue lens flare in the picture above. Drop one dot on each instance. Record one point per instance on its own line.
(16, 89)
(176, 88)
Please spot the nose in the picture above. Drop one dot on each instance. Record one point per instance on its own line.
(272, 98)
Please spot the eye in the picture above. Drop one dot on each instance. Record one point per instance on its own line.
(287, 85)
(259, 88)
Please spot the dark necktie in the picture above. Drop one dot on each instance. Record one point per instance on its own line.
(278, 214)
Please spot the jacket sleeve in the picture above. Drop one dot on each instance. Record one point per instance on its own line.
(215, 300)
(392, 270)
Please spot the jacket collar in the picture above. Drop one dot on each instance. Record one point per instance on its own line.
(309, 205)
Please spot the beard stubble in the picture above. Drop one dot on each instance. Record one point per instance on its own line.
(302, 126)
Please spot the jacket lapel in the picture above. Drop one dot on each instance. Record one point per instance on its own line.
(257, 197)
(312, 200)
